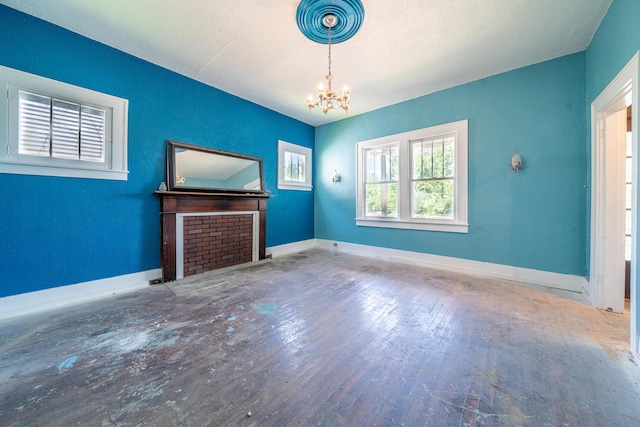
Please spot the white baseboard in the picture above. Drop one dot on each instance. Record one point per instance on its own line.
(47, 299)
(565, 282)
(18, 305)
(585, 291)
(290, 248)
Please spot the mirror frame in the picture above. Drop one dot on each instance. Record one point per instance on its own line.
(171, 168)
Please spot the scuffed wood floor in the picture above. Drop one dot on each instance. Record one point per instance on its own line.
(324, 339)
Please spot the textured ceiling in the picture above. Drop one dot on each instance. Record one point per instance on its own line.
(404, 49)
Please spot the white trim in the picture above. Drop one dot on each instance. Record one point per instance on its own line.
(301, 187)
(413, 225)
(602, 289)
(607, 200)
(459, 223)
(115, 165)
(26, 169)
(565, 282)
(283, 184)
(290, 248)
(49, 299)
(255, 244)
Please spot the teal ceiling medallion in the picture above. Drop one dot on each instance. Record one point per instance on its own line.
(324, 21)
(311, 15)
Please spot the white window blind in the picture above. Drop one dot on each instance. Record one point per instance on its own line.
(56, 128)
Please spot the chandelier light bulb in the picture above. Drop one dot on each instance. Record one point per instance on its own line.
(328, 99)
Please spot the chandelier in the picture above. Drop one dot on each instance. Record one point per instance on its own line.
(327, 98)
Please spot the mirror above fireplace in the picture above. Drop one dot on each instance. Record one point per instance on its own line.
(195, 168)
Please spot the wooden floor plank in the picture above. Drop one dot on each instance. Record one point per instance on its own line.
(322, 338)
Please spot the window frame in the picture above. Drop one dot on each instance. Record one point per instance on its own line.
(115, 164)
(384, 146)
(459, 222)
(283, 184)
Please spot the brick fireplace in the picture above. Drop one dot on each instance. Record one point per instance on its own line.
(215, 240)
(204, 231)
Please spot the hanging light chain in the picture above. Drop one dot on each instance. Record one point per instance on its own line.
(330, 49)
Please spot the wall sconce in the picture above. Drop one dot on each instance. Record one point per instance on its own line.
(516, 161)
(335, 178)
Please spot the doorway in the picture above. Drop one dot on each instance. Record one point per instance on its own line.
(605, 288)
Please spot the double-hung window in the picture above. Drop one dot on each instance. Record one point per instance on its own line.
(381, 186)
(415, 180)
(433, 177)
(294, 167)
(58, 129)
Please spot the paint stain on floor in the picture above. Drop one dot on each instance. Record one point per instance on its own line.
(266, 308)
(67, 364)
(129, 340)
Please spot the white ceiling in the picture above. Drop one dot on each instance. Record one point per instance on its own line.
(405, 48)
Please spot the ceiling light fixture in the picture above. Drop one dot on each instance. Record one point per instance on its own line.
(328, 99)
(326, 22)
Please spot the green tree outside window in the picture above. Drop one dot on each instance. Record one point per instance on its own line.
(433, 172)
(381, 189)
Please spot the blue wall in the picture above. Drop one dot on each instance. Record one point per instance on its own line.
(60, 231)
(534, 219)
(613, 46)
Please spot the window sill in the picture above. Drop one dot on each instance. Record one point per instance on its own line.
(294, 187)
(43, 170)
(449, 227)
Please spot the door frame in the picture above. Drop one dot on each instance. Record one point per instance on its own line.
(607, 197)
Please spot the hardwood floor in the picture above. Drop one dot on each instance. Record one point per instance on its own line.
(324, 339)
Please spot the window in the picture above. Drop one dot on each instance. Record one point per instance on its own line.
(415, 180)
(433, 178)
(382, 181)
(58, 129)
(294, 167)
